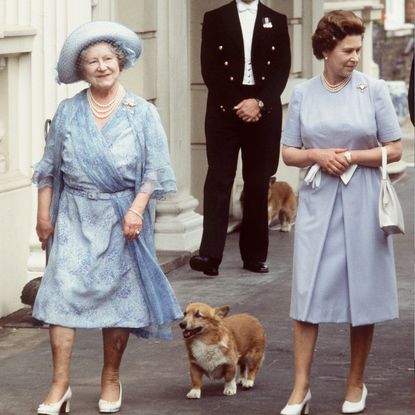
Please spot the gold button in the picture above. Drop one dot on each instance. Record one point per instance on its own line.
(273, 48)
(220, 47)
(269, 63)
(226, 63)
(263, 78)
(231, 78)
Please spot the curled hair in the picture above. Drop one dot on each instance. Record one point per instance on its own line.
(333, 28)
(116, 49)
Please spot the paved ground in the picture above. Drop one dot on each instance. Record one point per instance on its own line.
(155, 374)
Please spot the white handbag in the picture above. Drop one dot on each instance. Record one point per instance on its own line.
(390, 211)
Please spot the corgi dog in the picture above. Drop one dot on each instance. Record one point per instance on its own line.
(217, 345)
(282, 204)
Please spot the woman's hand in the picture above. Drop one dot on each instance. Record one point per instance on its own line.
(44, 230)
(132, 226)
(331, 160)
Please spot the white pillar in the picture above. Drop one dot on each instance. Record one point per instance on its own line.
(178, 227)
(53, 21)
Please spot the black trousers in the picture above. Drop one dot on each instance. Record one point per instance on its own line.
(259, 144)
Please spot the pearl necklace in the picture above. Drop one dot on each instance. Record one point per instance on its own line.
(337, 87)
(103, 111)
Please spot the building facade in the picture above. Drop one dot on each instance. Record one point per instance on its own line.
(168, 74)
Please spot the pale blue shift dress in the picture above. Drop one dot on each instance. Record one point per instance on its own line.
(93, 277)
(343, 266)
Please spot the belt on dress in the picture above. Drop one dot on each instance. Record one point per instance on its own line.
(98, 195)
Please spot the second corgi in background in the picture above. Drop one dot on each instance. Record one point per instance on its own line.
(282, 204)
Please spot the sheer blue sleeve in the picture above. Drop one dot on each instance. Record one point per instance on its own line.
(158, 178)
(45, 170)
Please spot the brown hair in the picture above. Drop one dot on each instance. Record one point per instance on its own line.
(334, 27)
(118, 52)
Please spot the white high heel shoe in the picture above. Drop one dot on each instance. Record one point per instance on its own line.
(61, 407)
(110, 407)
(298, 408)
(355, 407)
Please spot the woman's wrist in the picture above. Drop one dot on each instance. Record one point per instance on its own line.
(136, 212)
(45, 217)
(310, 152)
(348, 156)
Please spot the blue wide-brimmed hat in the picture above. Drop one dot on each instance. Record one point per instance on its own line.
(90, 33)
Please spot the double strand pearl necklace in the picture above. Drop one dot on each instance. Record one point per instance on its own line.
(337, 87)
(103, 111)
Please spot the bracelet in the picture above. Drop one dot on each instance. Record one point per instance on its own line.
(136, 212)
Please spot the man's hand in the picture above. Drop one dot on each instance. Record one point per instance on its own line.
(248, 110)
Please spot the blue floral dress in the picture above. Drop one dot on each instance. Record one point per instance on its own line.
(94, 276)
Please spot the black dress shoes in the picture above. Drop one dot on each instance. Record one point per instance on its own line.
(256, 266)
(209, 266)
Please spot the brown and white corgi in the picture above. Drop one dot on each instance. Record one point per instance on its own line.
(282, 204)
(217, 344)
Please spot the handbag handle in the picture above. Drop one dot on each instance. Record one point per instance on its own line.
(384, 162)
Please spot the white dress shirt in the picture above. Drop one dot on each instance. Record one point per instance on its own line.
(247, 15)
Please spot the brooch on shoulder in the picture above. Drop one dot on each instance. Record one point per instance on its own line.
(361, 87)
(129, 103)
(129, 106)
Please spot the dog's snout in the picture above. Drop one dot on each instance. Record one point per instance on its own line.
(183, 325)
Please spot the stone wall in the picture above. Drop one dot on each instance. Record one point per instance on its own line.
(393, 53)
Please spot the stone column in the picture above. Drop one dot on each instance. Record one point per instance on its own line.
(178, 227)
(53, 21)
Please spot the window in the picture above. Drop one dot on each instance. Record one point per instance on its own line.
(394, 14)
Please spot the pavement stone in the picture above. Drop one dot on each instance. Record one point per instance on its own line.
(155, 373)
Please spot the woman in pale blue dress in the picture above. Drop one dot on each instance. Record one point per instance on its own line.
(343, 269)
(106, 161)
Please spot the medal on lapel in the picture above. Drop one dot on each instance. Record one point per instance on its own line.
(266, 23)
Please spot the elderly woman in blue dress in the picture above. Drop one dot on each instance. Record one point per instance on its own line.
(343, 268)
(106, 161)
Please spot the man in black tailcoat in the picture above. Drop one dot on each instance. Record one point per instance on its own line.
(245, 58)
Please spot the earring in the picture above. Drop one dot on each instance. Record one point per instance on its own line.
(326, 58)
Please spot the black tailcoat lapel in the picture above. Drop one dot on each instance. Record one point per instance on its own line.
(232, 25)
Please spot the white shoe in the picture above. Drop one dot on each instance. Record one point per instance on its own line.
(61, 407)
(108, 407)
(355, 407)
(298, 408)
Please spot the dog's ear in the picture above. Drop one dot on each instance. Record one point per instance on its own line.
(222, 311)
(272, 180)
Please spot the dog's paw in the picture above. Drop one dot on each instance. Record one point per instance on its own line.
(194, 394)
(286, 227)
(247, 383)
(230, 388)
